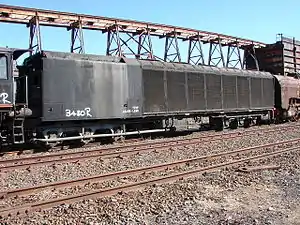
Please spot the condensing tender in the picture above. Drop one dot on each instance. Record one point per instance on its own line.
(56, 97)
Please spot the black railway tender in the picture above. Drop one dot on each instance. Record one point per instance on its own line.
(60, 97)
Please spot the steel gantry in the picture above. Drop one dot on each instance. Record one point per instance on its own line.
(128, 38)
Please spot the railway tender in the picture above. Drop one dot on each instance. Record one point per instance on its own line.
(56, 97)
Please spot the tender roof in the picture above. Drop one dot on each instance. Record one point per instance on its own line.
(288, 81)
(77, 56)
(158, 65)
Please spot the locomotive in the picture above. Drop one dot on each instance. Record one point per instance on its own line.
(56, 97)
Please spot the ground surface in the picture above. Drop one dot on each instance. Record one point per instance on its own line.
(222, 197)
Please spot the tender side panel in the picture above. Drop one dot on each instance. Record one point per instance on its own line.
(268, 93)
(154, 94)
(196, 91)
(229, 92)
(82, 89)
(110, 91)
(256, 92)
(176, 91)
(243, 92)
(213, 92)
(133, 106)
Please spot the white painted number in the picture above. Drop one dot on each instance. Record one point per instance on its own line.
(3, 98)
(79, 112)
(134, 109)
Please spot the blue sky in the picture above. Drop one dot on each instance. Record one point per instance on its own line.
(260, 20)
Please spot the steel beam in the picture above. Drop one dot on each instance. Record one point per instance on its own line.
(250, 60)
(35, 43)
(137, 44)
(77, 41)
(129, 38)
(215, 55)
(15, 14)
(234, 59)
(145, 48)
(195, 52)
(172, 53)
(113, 41)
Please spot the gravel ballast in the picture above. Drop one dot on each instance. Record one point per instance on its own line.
(51, 173)
(222, 197)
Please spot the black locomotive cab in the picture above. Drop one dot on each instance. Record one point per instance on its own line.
(6, 80)
(13, 106)
(9, 77)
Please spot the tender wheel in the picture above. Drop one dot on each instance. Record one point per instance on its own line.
(233, 124)
(247, 123)
(258, 121)
(219, 125)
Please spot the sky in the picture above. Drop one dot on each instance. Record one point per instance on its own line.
(259, 20)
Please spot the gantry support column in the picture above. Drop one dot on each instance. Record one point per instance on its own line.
(35, 43)
(145, 48)
(77, 40)
(135, 44)
(250, 60)
(234, 58)
(215, 55)
(195, 52)
(113, 41)
(172, 53)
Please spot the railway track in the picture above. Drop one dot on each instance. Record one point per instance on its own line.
(118, 151)
(225, 159)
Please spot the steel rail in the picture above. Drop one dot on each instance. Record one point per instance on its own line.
(118, 147)
(7, 165)
(131, 172)
(132, 186)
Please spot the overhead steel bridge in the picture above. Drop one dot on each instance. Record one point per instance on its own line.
(129, 38)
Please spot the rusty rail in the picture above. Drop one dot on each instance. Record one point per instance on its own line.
(131, 172)
(28, 162)
(258, 168)
(133, 186)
